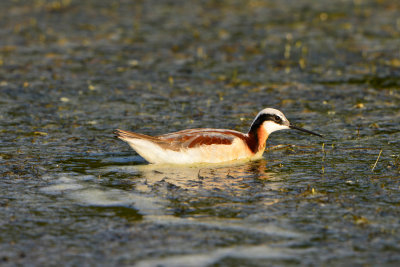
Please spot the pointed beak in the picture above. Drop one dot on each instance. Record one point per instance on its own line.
(291, 126)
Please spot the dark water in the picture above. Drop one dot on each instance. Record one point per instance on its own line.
(72, 71)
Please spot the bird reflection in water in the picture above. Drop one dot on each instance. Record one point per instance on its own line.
(232, 177)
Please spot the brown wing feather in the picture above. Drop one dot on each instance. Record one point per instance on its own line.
(197, 137)
(187, 138)
(209, 140)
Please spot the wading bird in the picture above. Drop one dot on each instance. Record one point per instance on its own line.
(208, 145)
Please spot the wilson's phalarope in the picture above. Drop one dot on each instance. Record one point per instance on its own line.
(210, 145)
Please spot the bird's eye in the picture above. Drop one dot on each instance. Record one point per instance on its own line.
(277, 118)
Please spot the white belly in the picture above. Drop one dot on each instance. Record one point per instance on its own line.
(206, 153)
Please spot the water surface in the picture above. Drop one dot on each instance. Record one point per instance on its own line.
(71, 72)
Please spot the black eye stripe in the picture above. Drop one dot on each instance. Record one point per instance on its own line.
(265, 117)
(269, 117)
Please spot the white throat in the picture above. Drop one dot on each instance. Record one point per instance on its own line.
(271, 127)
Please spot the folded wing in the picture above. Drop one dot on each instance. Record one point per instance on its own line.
(185, 139)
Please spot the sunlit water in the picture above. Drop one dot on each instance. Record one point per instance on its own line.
(72, 194)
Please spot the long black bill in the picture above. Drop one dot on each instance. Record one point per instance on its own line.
(303, 130)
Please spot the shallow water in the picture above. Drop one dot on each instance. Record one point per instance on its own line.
(71, 72)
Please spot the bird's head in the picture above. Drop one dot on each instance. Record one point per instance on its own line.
(273, 120)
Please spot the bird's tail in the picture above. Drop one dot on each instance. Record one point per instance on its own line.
(126, 135)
